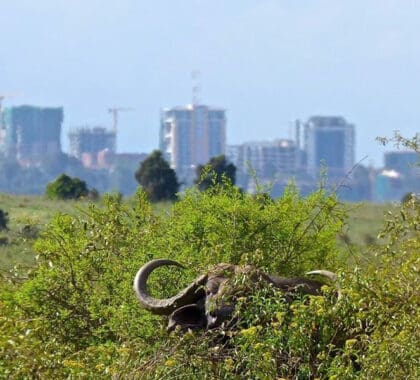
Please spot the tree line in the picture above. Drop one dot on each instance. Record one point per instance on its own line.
(157, 179)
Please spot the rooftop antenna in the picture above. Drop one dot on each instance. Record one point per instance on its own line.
(196, 87)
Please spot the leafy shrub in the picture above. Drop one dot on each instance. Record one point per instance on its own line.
(79, 298)
(388, 289)
(65, 187)
(288, 236)
(371, 332)
(77, 316)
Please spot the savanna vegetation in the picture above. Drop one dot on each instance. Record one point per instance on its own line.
(72, 313)
(27, 217)
(34, 213)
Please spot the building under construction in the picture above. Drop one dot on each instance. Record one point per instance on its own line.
(93, 146)
(29, 134)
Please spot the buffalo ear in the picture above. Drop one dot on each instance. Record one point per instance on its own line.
(187, 317)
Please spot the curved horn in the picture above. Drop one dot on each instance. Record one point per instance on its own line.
(331, 276)
(167, 305)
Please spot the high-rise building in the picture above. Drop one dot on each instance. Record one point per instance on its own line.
(269, 161)
(400, 176)
(91, 145)
(30, 133)
(329, 142)
(404, 162)
(191, 136)
(266, 158)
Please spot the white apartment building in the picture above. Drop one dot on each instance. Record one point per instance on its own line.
(191, 136)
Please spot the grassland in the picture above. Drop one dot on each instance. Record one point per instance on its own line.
(365, 221)
(28, 215)
(76, 316)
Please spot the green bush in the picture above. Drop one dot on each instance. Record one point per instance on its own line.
(76, 315)
(65, 187)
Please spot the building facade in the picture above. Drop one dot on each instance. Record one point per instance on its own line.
(95, 146)
(329, 141)
(404, 162)
(191, 136)
(401, 174)
(265, 158)
(270, 161)
(30, 133)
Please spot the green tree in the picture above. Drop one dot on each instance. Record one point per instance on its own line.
(157, 178)
(66, 187)
(214, 172)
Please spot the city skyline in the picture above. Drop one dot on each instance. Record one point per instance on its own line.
(359, 60)
(297, 135)
(191, 136)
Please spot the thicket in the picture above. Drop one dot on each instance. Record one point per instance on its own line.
(75, 314)
(66, 187)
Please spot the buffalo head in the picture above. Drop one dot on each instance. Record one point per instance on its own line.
(201, 305)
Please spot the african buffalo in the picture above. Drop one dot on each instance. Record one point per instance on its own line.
(194, 306)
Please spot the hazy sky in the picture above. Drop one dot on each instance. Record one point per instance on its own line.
(267, 62)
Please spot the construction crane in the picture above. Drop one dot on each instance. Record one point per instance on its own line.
(115, 111)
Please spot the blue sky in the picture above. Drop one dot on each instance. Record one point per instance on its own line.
(267, 62)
